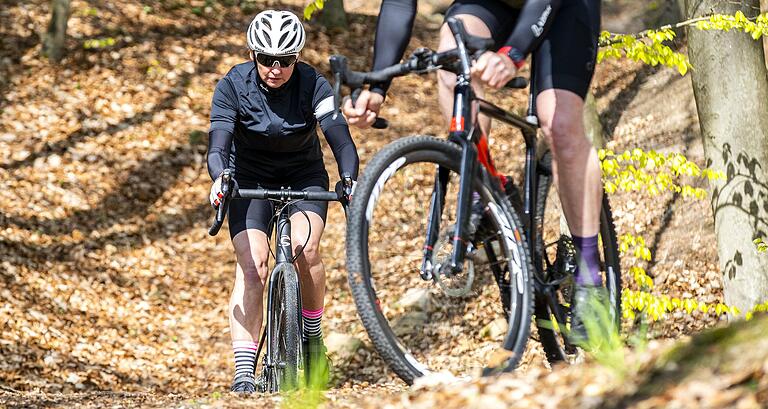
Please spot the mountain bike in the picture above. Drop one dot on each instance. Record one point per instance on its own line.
(478, 229)
(284, 357)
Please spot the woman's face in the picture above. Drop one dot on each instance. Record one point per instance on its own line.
(274, 76)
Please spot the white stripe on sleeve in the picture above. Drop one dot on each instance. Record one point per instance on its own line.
(323, 107)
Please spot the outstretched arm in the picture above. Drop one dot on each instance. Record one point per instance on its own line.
(393, 31)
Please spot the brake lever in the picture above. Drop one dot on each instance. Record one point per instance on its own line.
(336, 94)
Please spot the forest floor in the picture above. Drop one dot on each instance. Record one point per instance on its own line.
(113, 294)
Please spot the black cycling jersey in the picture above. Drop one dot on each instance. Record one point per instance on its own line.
(266, 134)
(565, 46)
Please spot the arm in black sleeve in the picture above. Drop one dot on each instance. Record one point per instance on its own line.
(337, 134)
(223, 117)
(336, 130)
(535, 19)
(219, 146)
(393, 31)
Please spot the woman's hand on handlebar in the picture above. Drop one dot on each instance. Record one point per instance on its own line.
(216, 193)
(365, 110)
(494, 69)
(217, 190)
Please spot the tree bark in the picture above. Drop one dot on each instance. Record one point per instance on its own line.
(55, 37)
(333, 15)
(764, 9)
(730, 85)
(592, 125)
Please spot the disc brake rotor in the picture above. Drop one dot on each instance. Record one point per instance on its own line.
(453, 285)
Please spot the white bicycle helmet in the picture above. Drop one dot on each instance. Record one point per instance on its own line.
(276, 32)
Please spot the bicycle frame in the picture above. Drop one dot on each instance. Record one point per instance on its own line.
(283, 256)
(283, 253)
(475, 149)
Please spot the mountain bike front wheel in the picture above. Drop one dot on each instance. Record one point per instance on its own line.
(285, 334)
(449, 322)
(555, 262)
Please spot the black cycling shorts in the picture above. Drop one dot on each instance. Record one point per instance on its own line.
(257, 214)
(566, 57)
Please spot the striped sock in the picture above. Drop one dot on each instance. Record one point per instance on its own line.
(312, 323)
(245, 357)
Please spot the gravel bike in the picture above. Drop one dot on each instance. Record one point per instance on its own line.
(478, 229)
(284, 357)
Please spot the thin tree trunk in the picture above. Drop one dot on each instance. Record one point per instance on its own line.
(730, 85)
(333, 15)
(55, 37)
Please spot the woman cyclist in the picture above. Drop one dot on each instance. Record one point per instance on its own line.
(263, 125)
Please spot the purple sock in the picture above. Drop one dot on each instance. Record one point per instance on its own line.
(587, 247)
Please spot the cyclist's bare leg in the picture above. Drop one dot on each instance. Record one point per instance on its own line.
(446, 80)
(309, 263)
(245, 304)
(576, 168)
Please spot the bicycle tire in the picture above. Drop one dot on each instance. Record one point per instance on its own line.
(552, 340)
(432, 151)
(286, 331)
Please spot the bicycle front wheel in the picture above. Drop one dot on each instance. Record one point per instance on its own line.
(285, 336)
(449, 322)
(555, 263)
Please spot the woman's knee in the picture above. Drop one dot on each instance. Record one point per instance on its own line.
(309, 253)
(255, 270)
(252, 255)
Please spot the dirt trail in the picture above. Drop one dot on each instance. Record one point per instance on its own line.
(108, 280)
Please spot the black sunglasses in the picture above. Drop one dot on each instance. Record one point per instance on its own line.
(282, 61)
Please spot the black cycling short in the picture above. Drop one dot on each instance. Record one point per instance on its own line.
(257, 214)
(566, 57)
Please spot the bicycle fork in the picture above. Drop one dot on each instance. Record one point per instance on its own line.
(467, 169)
(283, 254)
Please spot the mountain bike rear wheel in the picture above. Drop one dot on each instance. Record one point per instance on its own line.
(286, 332)
(421, 325)
(554, 269)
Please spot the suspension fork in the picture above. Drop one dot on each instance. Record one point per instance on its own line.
(436, 206)
(467, 171)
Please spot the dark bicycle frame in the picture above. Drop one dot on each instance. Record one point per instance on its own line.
(474, 144)
(283, 247)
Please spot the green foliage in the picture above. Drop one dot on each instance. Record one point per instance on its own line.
(652, 172)
(648, 46)
(89, 12)
(757, 309)
(313, 6)
(603, 343)
(762, 246)
(155, 69)
(656, 307)
(648, 49)
(739, 22)
(98, 43)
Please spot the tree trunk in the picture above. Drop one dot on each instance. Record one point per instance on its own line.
(55, 37)
(592, 125)
(730, 84)
(333, 15)
(764, 9)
